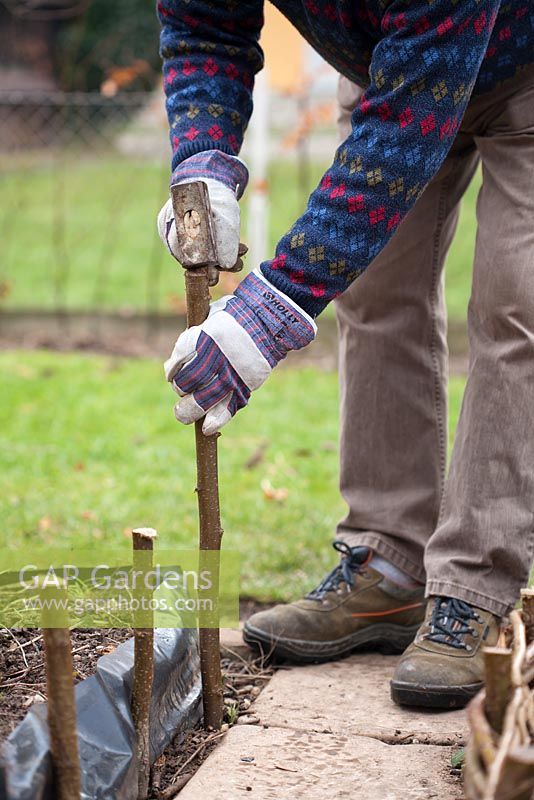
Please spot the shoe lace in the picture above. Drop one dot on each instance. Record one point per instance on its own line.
(353, 559)
(449, 622)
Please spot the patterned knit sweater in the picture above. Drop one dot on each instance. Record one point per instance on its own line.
(419, 61)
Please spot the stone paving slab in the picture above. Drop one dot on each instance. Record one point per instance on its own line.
(282, 764)
(351, 696)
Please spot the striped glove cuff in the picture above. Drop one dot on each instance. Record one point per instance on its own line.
(214, 164)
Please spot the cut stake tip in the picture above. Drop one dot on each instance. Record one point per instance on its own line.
(146, 533)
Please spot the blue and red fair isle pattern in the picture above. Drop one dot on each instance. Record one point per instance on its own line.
(419, 60)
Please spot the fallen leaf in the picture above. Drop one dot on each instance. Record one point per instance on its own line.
(88, 515)
(47, 372)
(270, 493)
(79, 467)
(303, 452)
(23, 371)
(44, 524)
(33, 698)
(257, 456)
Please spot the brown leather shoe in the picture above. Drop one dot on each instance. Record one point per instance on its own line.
(444, 667)
(354, 607)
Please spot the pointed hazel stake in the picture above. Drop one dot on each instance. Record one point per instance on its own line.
(193, 220)
(143, 678)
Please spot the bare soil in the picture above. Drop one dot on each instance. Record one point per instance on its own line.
(22, 670)
(152, 335)
(23, 683)
(129, 335)
(244, 679)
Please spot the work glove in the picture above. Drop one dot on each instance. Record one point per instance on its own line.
(215, 366)
(226, 178)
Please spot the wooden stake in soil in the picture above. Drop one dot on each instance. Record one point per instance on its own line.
(143, 546)
(498, 679)
(198, 255)
(61, 701)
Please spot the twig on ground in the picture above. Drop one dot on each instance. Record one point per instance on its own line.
(81, 649)
(197, 752)
(19, 685)
(20, 647)
(172, 791)
(31, 641)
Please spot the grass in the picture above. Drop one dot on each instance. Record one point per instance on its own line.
(91, 449)
(80, 234)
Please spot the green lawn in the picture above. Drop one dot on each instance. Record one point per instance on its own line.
(80, 234)
(90, 448)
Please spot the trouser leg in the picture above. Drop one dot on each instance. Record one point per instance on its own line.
(393, 368)
(483, 547)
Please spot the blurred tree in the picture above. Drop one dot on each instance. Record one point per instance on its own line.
(112, 45)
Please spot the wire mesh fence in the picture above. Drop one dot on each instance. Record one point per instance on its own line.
(36, 119)
(82, 179)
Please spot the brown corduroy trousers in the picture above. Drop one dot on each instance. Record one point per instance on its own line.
(469, 533)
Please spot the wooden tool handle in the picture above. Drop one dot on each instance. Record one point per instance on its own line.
(192, 214)
(196, 245)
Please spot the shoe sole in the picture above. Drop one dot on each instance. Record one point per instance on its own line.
(406, 694)
(386, 638)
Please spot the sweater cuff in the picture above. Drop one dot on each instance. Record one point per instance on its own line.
(214, 164)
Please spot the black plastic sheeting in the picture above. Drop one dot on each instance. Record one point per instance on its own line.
(105, 727)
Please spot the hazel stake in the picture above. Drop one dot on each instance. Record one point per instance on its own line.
(60, 693)
(143, 678)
